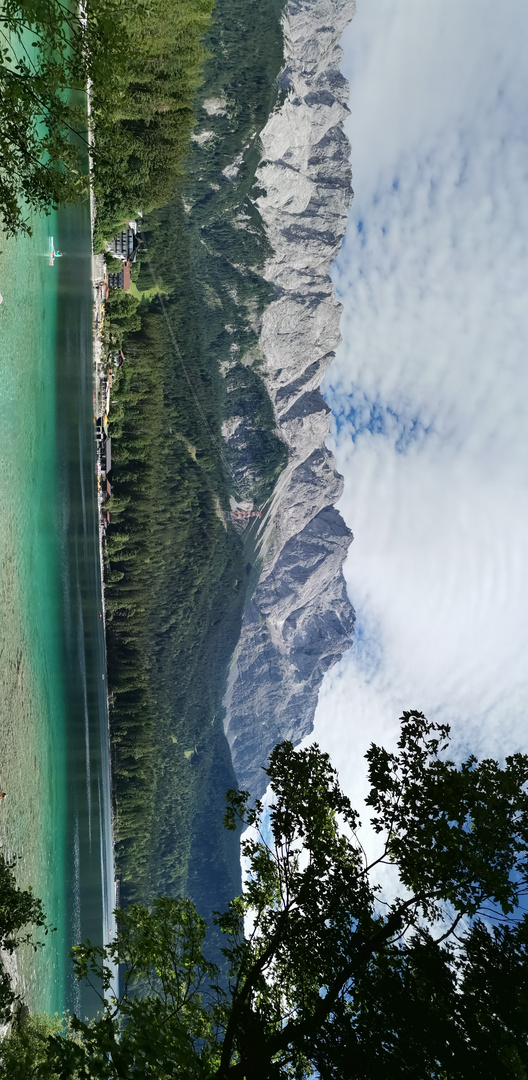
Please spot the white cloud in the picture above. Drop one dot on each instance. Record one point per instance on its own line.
(430, 386)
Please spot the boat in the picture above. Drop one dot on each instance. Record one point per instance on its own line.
(53, 252)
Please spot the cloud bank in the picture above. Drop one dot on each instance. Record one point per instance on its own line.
(429, 389)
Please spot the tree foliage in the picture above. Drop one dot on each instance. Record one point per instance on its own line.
(20, 913)
(25, 1050)
(143, 114)
(50, 53)
(335, 978)
(142, 62)
(174, 586)
(43, 58)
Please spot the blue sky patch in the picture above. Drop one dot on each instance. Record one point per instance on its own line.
(357, 414)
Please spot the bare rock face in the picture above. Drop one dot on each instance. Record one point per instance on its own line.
(299, 621)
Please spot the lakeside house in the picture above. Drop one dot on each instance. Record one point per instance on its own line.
(124, 247)
(106, 457)
(122, 279)
(104, 444)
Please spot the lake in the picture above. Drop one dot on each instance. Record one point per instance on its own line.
(54, 747)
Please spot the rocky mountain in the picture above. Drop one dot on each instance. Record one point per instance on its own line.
(299, 620)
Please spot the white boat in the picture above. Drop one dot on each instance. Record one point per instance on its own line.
(53, 253)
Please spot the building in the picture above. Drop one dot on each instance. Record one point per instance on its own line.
(124, 247)
(122, 279)
(115, 281)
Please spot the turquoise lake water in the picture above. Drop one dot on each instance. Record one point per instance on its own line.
(54, 756)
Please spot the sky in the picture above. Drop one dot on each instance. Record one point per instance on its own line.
(429, 389)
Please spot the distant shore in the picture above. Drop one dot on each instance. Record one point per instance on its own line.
(98, 288)
(98, 284)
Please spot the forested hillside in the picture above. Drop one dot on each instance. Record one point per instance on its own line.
(174, 580)
(143, 109)
(177, 570)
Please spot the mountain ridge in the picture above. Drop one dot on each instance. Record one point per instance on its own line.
(299, 620)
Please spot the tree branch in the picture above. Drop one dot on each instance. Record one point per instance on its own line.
(294, 1031)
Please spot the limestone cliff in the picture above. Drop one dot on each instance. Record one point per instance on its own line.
(299, 621)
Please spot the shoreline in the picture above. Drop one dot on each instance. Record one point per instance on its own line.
(99, 286)
(98, 283)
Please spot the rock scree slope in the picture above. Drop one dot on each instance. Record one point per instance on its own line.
(299, 621)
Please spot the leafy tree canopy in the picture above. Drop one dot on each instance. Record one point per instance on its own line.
(335, 979)
(48, 51)
(20, 912)
(142, 61)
